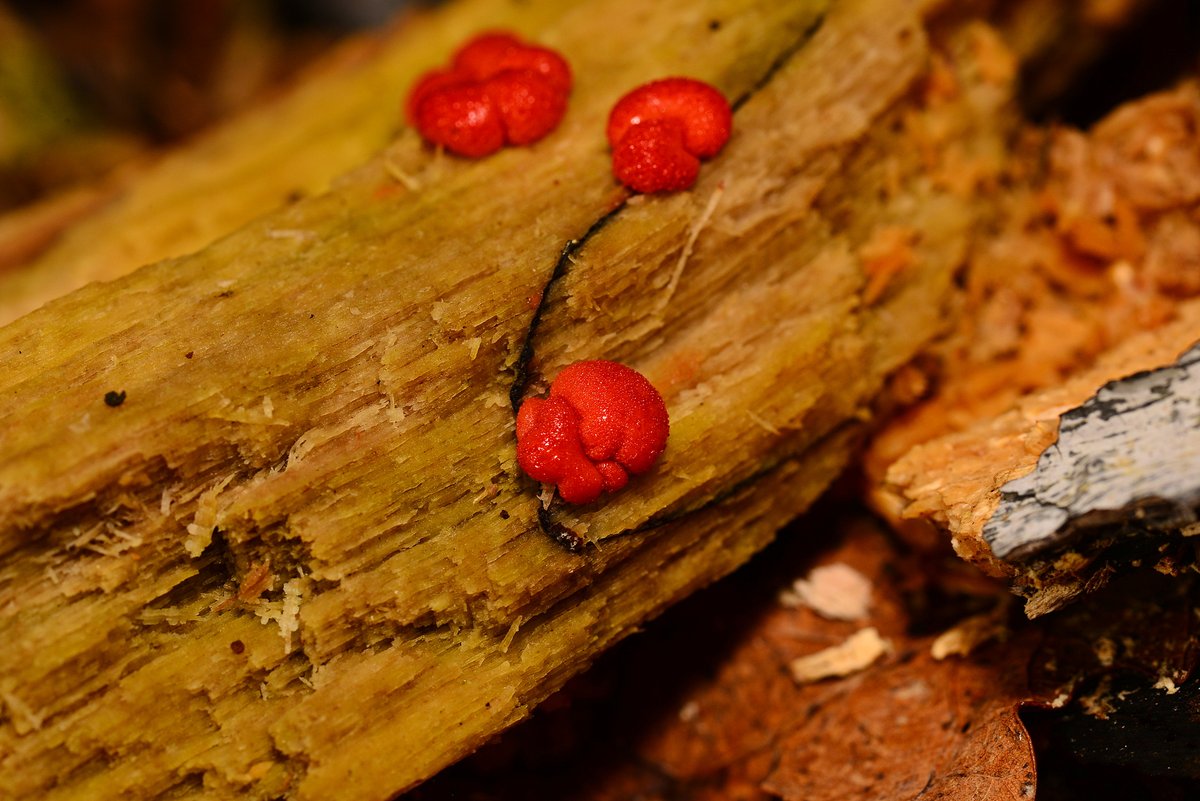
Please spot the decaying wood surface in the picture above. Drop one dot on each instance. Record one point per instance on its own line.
(1094, 280)
(298, 560)
(336, 116)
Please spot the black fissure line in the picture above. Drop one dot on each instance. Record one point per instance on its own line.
(521, 371)
(779, 63)
(558, 532)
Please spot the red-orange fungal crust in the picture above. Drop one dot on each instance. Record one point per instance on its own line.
(496, 82)
(657, 126)
(601, 423)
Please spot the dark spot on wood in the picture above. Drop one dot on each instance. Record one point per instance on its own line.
(504, 515)
(714, 24)
(295, 196)
(237, 646)
(189, 354)
(560, 533)
(228, 293)
(113, 398)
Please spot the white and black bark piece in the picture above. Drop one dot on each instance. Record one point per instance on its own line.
(1120, 486)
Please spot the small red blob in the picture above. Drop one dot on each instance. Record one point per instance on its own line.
(657, 158)
(601, 423)
(528, 109)
(492, 53)
(478, 58)
(428, 84)
(498, 91)
(651, 157)
(463, 119)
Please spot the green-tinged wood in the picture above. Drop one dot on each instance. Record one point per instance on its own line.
(299, 560)
(340, 113)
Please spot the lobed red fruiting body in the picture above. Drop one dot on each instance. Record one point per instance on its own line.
(601, 423)
(660, 131)
(498, 90)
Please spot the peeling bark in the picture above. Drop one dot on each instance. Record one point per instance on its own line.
(1116, 491)
(1081, 481)
(1135, 443)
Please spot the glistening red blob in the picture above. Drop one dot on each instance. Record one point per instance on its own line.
(494, 52)
(652, 158)
(527, 109)
(498, 91)
(601, 423)
(463, 119)
(660, 130)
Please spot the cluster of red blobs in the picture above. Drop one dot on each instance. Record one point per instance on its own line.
(602, 421)
(498, 91)
(659, 132)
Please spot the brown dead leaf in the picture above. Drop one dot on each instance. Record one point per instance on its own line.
(706, 708)
(703, 707)
(913, 728)
(905, 726)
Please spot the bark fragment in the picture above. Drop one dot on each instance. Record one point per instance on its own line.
(1091, 281)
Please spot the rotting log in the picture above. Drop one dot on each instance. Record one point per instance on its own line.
(299, 561)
